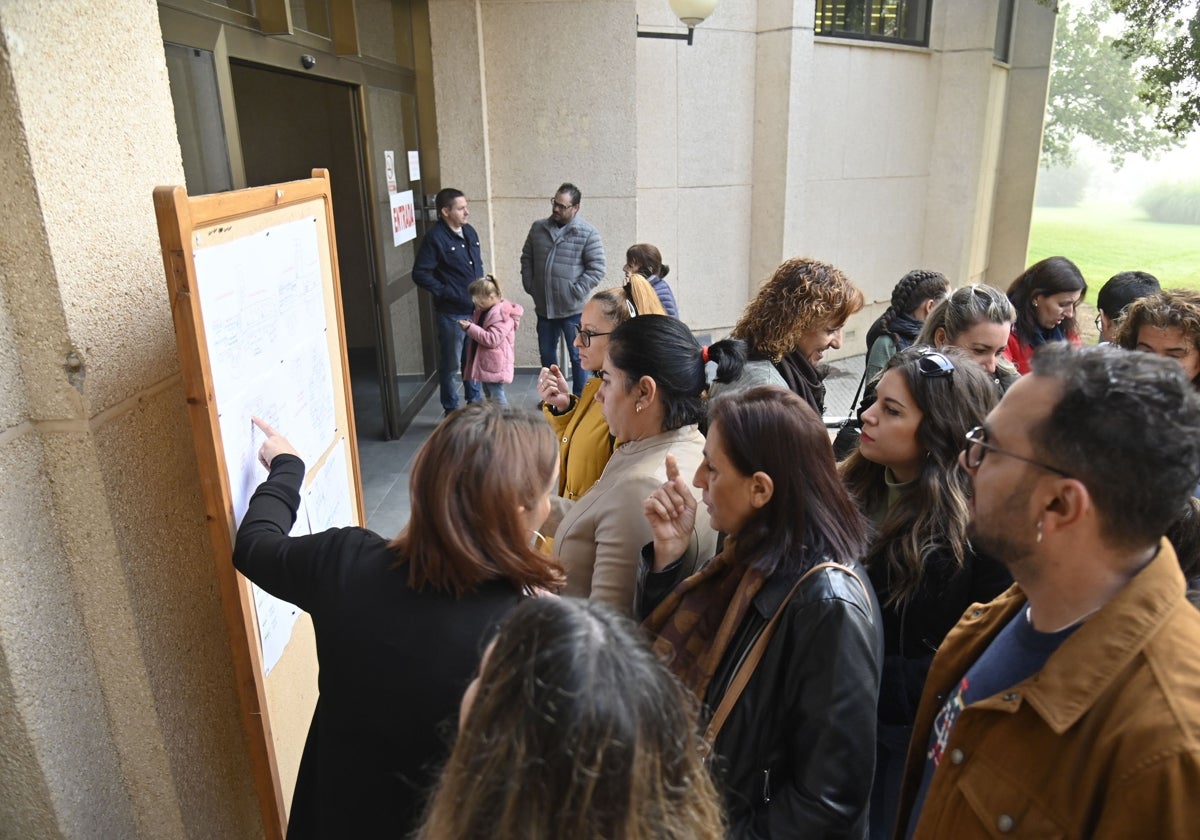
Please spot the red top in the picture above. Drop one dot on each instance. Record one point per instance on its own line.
(1019, 353)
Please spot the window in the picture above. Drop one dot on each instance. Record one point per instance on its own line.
(899, 21)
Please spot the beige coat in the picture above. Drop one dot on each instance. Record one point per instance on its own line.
(601, 536)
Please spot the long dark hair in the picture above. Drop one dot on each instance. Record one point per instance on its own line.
(577, 731)
(467, 481)
(1050, 276)
(932, 517)
(664, 349)
(774, 431)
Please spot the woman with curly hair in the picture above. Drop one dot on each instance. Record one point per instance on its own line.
(1045, 297)
(574, 729)
(906, 480)
(913, 298)
(1167, 324)
(797, 315)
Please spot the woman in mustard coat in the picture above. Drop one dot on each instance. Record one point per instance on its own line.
(584, 440)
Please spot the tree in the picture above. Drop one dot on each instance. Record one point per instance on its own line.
(1164, 36)
(1095, 91)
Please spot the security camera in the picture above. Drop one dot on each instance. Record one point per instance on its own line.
(308, 62)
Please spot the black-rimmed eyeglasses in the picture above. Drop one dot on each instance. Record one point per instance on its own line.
(978, 446)
(586, 336)
(560, 206)
(933, 363)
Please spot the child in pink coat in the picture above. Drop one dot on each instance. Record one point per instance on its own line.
(493, 334)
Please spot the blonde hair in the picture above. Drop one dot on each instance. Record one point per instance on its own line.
(486, 286)
(641, 294)
(621, 303)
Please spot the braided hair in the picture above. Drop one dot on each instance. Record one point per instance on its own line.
(914, 288)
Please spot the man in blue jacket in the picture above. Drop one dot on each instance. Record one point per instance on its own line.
(562, 261)
(448, 261)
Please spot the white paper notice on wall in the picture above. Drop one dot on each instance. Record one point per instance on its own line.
(277, 618)
(263, 305)
(327, 500)
(414, 166)
(404, 218)
(389, 165)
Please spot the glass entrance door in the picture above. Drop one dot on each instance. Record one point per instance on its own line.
(409, 360)
(252, 109)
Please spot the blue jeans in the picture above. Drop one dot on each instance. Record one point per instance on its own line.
(548, 331)
(452, 357)
(495, 391)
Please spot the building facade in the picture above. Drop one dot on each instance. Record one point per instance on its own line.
(876, 146)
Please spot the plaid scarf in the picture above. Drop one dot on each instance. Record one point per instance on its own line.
(694, 625)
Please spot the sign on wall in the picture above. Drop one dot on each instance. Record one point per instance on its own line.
(404, 218)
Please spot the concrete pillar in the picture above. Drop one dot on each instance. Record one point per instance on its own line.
(119, 717)
(1020, 151)
(963, 37)
(783, 150)
(530, 95)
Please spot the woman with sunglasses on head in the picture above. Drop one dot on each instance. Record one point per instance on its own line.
(1045, 297)
(652, 397)
(585, 444)
(779, 635)
(906, 481)
(977, 320)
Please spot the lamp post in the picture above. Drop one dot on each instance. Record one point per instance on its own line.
(691, 13)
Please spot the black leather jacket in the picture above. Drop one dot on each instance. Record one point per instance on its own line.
(797, 754)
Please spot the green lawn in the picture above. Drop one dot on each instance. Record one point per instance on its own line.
(1105, 239)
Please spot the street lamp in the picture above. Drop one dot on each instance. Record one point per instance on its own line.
(691, 13)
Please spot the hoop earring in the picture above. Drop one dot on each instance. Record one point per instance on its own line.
(1039, 530)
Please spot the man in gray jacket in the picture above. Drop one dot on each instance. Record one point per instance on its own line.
(561, 263)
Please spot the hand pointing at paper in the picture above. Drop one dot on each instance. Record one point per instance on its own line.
(275, 444)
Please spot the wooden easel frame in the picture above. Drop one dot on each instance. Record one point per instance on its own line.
(182, 222)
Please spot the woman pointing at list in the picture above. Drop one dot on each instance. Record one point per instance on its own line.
(417, 610)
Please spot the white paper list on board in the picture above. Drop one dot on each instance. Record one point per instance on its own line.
(256, 293)
(263, 306)
(328, 499)
(276, 617)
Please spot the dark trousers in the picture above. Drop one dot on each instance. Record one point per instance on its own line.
(548, 331)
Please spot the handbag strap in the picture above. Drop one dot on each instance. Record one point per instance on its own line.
(750, 663)
(854, 402)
